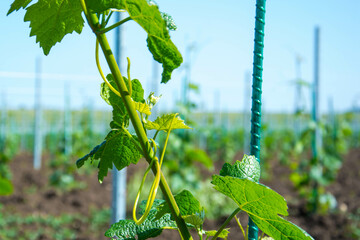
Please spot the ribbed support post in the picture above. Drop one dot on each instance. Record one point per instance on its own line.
(256, 94)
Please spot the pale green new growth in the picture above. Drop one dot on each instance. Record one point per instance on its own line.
(142, 108)
(195, 220)
(248, 167)
(224, 233)
(164, 122)
(51, 20)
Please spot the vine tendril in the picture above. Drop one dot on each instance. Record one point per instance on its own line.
(155, 184)
(100, 70)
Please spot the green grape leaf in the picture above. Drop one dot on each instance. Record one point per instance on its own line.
(6, 187)
(262, 204)
(51, 20)
(17, 4)
(163, 123)
(118, 149)
(248, 168)
(142, 108)
(150, 19)
(137, 91)
(80, 162)
(120, 116)
(188, 206)
(224, 233)
(150, 228)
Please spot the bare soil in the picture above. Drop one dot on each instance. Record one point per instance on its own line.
(33, 195)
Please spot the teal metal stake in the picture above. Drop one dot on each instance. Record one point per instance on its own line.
(256, 94)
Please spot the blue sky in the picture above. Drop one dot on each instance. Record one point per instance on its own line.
(222, 35)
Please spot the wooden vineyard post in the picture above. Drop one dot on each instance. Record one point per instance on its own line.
(256, 94)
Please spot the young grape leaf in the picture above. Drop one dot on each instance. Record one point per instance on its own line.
(118, 149)
(163, 123)
(17, 4)
(262, 204)
(151, 227)
(51, 20)
(195, 220)
(224, 233)
(142, 108)
(6, 187)
(150, 19)
(248, 168)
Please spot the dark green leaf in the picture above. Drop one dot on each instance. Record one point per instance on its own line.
(80, 162)
(151, 227)
(120, 116)
(263, 206)
(187, 203)
(248, 167)
(17, 4)
(51, 20)
(117, 149)
(137, 90)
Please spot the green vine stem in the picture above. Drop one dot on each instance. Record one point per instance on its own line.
(223, 226)
(140, 132)
(113, 26)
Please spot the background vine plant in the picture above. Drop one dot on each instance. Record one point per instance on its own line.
(50, 21)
